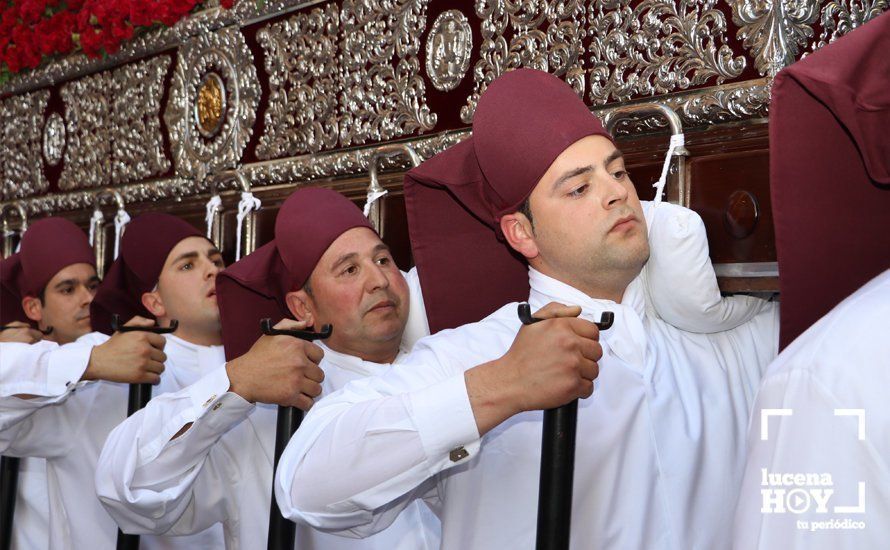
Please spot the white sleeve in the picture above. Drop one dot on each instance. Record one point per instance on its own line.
(42, 426)
(796, 433)
(365, 452)
(41, 369)
(151, 483)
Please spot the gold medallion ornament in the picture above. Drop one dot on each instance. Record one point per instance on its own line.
(210, 105)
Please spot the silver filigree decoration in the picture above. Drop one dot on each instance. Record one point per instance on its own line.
(656, 47)
(842, 16)
(448, 49)
(774, 30)
(301, 60)
(728, 103)
(21, 137)
(383, 94)
(545, 35)
(89, 119)
(226, 54)
(137, 147)
(113, 126)
(53, 139)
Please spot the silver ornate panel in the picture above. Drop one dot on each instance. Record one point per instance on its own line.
(544, 35)
(225, 54)
(113, 126)
(137, 149)
(383, 94)
(89, 119)
(729, 103)
(301, 61)
(21, 144)
(656, 47)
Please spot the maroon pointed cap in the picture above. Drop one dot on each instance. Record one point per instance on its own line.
(146, 243)
(48, 246)
(254, 287)
(11, 282)
(830, 173)
(524, 120)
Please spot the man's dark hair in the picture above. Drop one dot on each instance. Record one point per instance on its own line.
(308, 288)
(526, 210)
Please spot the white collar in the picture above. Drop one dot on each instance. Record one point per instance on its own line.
(356, 364)
(627, 339)
(190, 361)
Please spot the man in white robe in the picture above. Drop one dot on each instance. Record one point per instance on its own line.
(660, 443)
(818, 465)
(60, 402)
(204, 455)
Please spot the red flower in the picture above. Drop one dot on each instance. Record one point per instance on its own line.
(91, 42)
(12, 59)
(226, 4)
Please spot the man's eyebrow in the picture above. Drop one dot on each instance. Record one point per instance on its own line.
(581, 170)
(94, 279)
(613, 156)
(380, 247)
(213, 251)
(186, 256)
(66, 282)
(342, 259)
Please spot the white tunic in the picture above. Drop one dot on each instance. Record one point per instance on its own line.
(818, 470)
(220, 470)
(659, 448)
(67, 425)
(30, 528)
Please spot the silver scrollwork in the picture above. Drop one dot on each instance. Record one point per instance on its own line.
(301, 60)
(137, 148)
(53, 139)
(21, 136)
(842, 16)
(727, 103)
(113, 126)
(657, 47)
(448, 49)
(545, 35)
(774, 30)
(383, 95)
(224, 53)
(89, 119)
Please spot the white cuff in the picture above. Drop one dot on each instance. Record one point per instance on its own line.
(66, 367)
(444, 419)
(208, 394)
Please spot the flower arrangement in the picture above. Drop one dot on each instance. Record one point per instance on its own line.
(32, 30)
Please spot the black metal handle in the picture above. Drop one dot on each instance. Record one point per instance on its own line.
(557, 461)
(46, 332)
(140, 395)
(118, 326)
(9, 476)
(307, 335)
(282, 531)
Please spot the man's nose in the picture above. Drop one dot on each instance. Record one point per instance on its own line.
(377, 278)
(86, 295)
(614, 192)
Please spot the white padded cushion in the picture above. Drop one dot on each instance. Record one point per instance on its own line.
(679, 278)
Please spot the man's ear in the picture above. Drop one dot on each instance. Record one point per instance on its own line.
(301, 306)
(154, 304)
(519, 234)
(33, 308)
